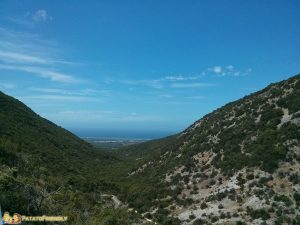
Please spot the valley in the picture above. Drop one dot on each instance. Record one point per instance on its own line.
(237, 165)
(112, 143)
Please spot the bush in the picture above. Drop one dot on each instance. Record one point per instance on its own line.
(203, 205)
(259, 213)
(199, 222)
(250, 176)
(282, 198)
(192, 216)
(297, 198)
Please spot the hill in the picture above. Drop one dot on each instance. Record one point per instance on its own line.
(236, 165)
(46, 170)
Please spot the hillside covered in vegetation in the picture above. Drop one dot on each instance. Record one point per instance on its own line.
(236, 165)
(46, 170)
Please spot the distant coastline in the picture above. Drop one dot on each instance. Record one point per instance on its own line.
(116, 139)
(121, 135)
(112, 143)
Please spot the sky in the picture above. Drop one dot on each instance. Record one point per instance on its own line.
(146, 68)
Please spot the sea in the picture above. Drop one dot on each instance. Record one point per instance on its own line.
(127, 135)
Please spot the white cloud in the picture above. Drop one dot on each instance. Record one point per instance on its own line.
(7, 56)
(53, 75)
(192, 85)
(175, 78)
(29, 53)
(160, 83)
(217, 69)
(40, 15)
(102, 116)
(230, 67)
(44, 73)
(182, 78)
(22, 21)
(14, 57)
(50, 90)
(80, 92)
(30, 19)
(154, 84)
(40, 96)
(228, 70)
(29, 44)
(58, 99)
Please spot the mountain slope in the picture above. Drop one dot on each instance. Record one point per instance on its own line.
(238, 164)
(46, 170)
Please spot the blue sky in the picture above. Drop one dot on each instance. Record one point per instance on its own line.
(143, 66)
